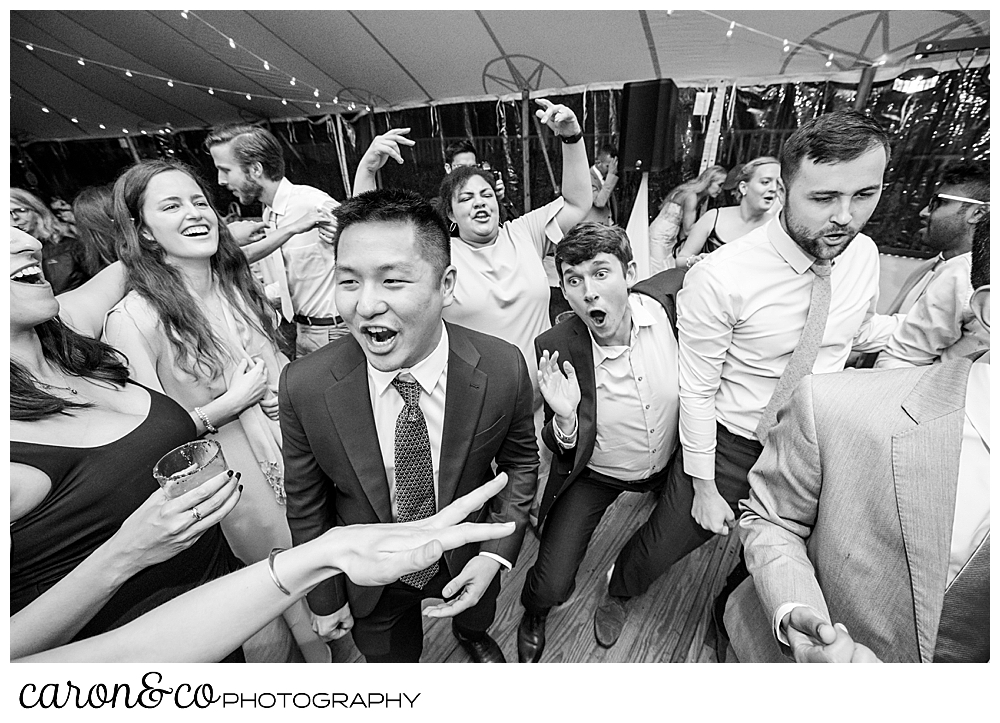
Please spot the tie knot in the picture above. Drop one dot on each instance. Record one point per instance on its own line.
(408, 390)
(821, 267)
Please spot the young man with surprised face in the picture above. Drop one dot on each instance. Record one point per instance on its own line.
(609, 379)
(393, 422)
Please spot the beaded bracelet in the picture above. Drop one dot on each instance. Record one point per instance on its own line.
(209, 427)
(270, 569)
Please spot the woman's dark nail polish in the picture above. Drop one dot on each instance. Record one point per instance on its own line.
(238, 475)
(230, 473)
(239, 488)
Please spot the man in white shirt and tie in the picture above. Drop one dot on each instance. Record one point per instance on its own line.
(807, 276)
(296, 263)
(939, 323)
(867, 529)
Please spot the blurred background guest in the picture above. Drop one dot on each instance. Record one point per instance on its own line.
(62, 260)
(678, 213)
(94, 215)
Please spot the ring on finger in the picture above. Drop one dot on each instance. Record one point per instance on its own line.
(196, 513)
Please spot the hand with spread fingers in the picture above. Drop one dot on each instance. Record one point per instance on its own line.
(560, 391)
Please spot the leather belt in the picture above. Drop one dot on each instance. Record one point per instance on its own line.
(317, 321)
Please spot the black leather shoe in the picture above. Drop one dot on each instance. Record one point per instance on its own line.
(609, 619)
(530, 638)
(482, 650)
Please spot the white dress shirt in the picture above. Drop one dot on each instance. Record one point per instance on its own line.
(972, 497)
(308, 260)
(432, 375)
(636, 396)
(741, 314)
(940, 325)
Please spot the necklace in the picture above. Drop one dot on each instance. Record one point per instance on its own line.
(71, 390)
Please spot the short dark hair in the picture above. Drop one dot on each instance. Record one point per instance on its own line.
(974, 177)
(456, 180)
(394, 205)
(837, 137)
(462, 146)
(251, 144)
(585, 240)
(609, 149)
(981, 253)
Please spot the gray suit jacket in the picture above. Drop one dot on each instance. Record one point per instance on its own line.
(851, 510)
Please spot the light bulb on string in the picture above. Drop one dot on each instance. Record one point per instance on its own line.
(787, 46)
(124, 130)
(184, 14)
(211, 92)
(170, 84)
(829, 60)
(74, 120)
(316, 93)
(80, 61)
(266, 66)
(29, 46)
(336, 100)
(732, 25)
(317, 105)
(128, 73)
(248, 97)
(44, 109)
(102, 126)
(143, 132)
(284, 102)
(232, 44)
(292, 81)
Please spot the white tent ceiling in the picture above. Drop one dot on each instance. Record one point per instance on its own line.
(389, 59)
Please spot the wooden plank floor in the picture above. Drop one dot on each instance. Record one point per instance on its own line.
(667, 624)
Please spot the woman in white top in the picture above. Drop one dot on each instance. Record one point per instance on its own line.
(678, 214)
(197, 327)
(501, 287)
(758, 184)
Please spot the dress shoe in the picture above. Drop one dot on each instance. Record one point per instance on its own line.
(530, 638)
(609, 619)
(721, 635)
(481, 650)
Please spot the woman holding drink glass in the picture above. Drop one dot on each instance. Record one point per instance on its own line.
(84, 505)
(198, 327)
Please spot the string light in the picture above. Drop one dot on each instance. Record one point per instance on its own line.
(248, 97)
(266, 65)
(143, 132)
(211, 92)
(102, 126)
(128, 73)
(787, 46)
(80, 61)
(292, 81)
(124, 130)
(44, 109)
(170, 84)
(284, 102)
(232, 44)
(729, 33)
(829, 60)
(74, 120)
(317, 105)
(316, 93)
(29, 46)
(184, 14)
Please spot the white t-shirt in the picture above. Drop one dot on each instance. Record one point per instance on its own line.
(501, 289)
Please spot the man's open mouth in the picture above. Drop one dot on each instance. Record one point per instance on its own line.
(380, 334)
(598, 316)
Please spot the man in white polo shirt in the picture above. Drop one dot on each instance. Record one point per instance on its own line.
(296, 263)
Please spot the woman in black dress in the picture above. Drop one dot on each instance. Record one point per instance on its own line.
(83, 444)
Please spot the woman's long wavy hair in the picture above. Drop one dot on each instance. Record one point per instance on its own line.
(47, 227)
(93, 209)
(77, 355)
(699, 184)
(198, 350)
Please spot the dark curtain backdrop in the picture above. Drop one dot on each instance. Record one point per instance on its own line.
(928, 130)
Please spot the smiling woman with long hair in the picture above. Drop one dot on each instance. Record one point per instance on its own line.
(678, 214)
(197, 326)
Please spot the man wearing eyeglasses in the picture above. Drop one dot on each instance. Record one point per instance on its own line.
(939, 324)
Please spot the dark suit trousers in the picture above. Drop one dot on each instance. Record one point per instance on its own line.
(671, 532)
(566, 535)
(394, 631)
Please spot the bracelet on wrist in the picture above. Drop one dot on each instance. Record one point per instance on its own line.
(274, 575)
(209, 427)
(573, 138)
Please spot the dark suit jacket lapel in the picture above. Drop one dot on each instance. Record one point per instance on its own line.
(925, 461)
(351, 414)
(462, 409)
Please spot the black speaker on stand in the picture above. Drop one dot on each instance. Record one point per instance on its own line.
(648, 136)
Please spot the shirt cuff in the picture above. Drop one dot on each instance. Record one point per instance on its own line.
(699, 464)
(780, 614)
(566, 441)
(499, 559)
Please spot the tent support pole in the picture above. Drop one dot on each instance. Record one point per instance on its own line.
(711, 150)
(525, 147)
(864, 88)
(132, 149)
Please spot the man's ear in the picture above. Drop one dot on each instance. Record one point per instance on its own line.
(447, 168)
(631, 274)
(980, 303)
(256, 169)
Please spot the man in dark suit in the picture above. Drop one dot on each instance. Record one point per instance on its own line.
(611, 421)
(399, 419)
(868, 525)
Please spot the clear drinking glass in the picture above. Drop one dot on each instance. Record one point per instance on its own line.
(189, 466)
